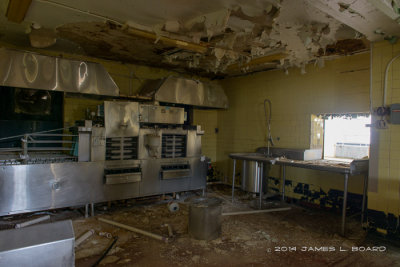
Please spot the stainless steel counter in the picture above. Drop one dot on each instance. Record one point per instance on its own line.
(355, 167)
(251, 156)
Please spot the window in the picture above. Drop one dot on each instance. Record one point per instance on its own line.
(346, 136)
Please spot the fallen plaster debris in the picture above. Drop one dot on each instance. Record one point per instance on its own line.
(105, 234)
(172, 26)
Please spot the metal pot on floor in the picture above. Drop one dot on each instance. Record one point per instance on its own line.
(205, 218)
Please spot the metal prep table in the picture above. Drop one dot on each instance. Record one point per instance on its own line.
(356, 167)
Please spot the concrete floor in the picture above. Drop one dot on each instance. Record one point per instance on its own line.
(247, 240)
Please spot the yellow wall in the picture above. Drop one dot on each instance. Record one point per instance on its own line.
(384, 189)
(341, 86)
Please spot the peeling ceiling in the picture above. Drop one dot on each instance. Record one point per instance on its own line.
(216, 38)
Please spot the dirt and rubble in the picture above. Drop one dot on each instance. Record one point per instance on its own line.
(309, 236)
(299, 236)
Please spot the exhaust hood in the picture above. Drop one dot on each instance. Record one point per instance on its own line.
(179, 90)
(30, 70)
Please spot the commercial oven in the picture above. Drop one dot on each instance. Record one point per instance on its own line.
(141, 150)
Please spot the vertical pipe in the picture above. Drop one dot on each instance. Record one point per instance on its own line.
(268, 120)
(86, 210)
(346, 181)
(365, 190)
(233, 179)
(370, 78)
(244, 175)
(257, 178)
(385, 78)
(283, 181)
(130, 93)
(25, 147)
(261, 183)
(92, 209)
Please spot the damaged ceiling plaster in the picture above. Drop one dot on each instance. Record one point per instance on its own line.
(216, 38)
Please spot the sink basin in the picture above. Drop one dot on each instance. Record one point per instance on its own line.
(293, 153)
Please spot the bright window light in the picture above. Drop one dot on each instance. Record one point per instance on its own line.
(346, 137)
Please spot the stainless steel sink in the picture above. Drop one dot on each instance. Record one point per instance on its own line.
(251, 156)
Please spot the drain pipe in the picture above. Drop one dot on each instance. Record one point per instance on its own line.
(34, 221)
(370, 78)
(268, 116)
(83, 237)
(385, 80)
(136, 230)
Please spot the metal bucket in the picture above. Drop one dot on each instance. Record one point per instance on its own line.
(251, 176)
(205, 218)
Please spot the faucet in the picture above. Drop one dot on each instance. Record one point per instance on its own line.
(270, 141)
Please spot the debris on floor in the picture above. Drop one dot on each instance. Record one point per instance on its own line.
(283, 238)
(279, 238)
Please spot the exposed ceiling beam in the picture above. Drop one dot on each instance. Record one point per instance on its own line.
(355, 22)
(198, 48)
(385, 8)
(17, 10)
(360, 15)
(257, 61)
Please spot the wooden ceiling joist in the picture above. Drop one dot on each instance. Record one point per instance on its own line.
(17, 10)
(198, 48)
(257, 61)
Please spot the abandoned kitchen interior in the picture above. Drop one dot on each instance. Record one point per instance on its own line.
(204, 133)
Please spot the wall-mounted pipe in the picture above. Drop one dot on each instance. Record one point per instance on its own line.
(270, 142)
(370, 77)
(385, 79)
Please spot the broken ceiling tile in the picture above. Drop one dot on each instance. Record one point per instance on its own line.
(237, 24)
(196, 37)
(303, 69)
(42, 37)
(239, 30)
(157, 29)
(210, 23)
(219, 53)
(172, 26)
(228, 41)
(320, 62)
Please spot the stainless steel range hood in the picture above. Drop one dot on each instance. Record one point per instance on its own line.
(30, 70)
(185, 91)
